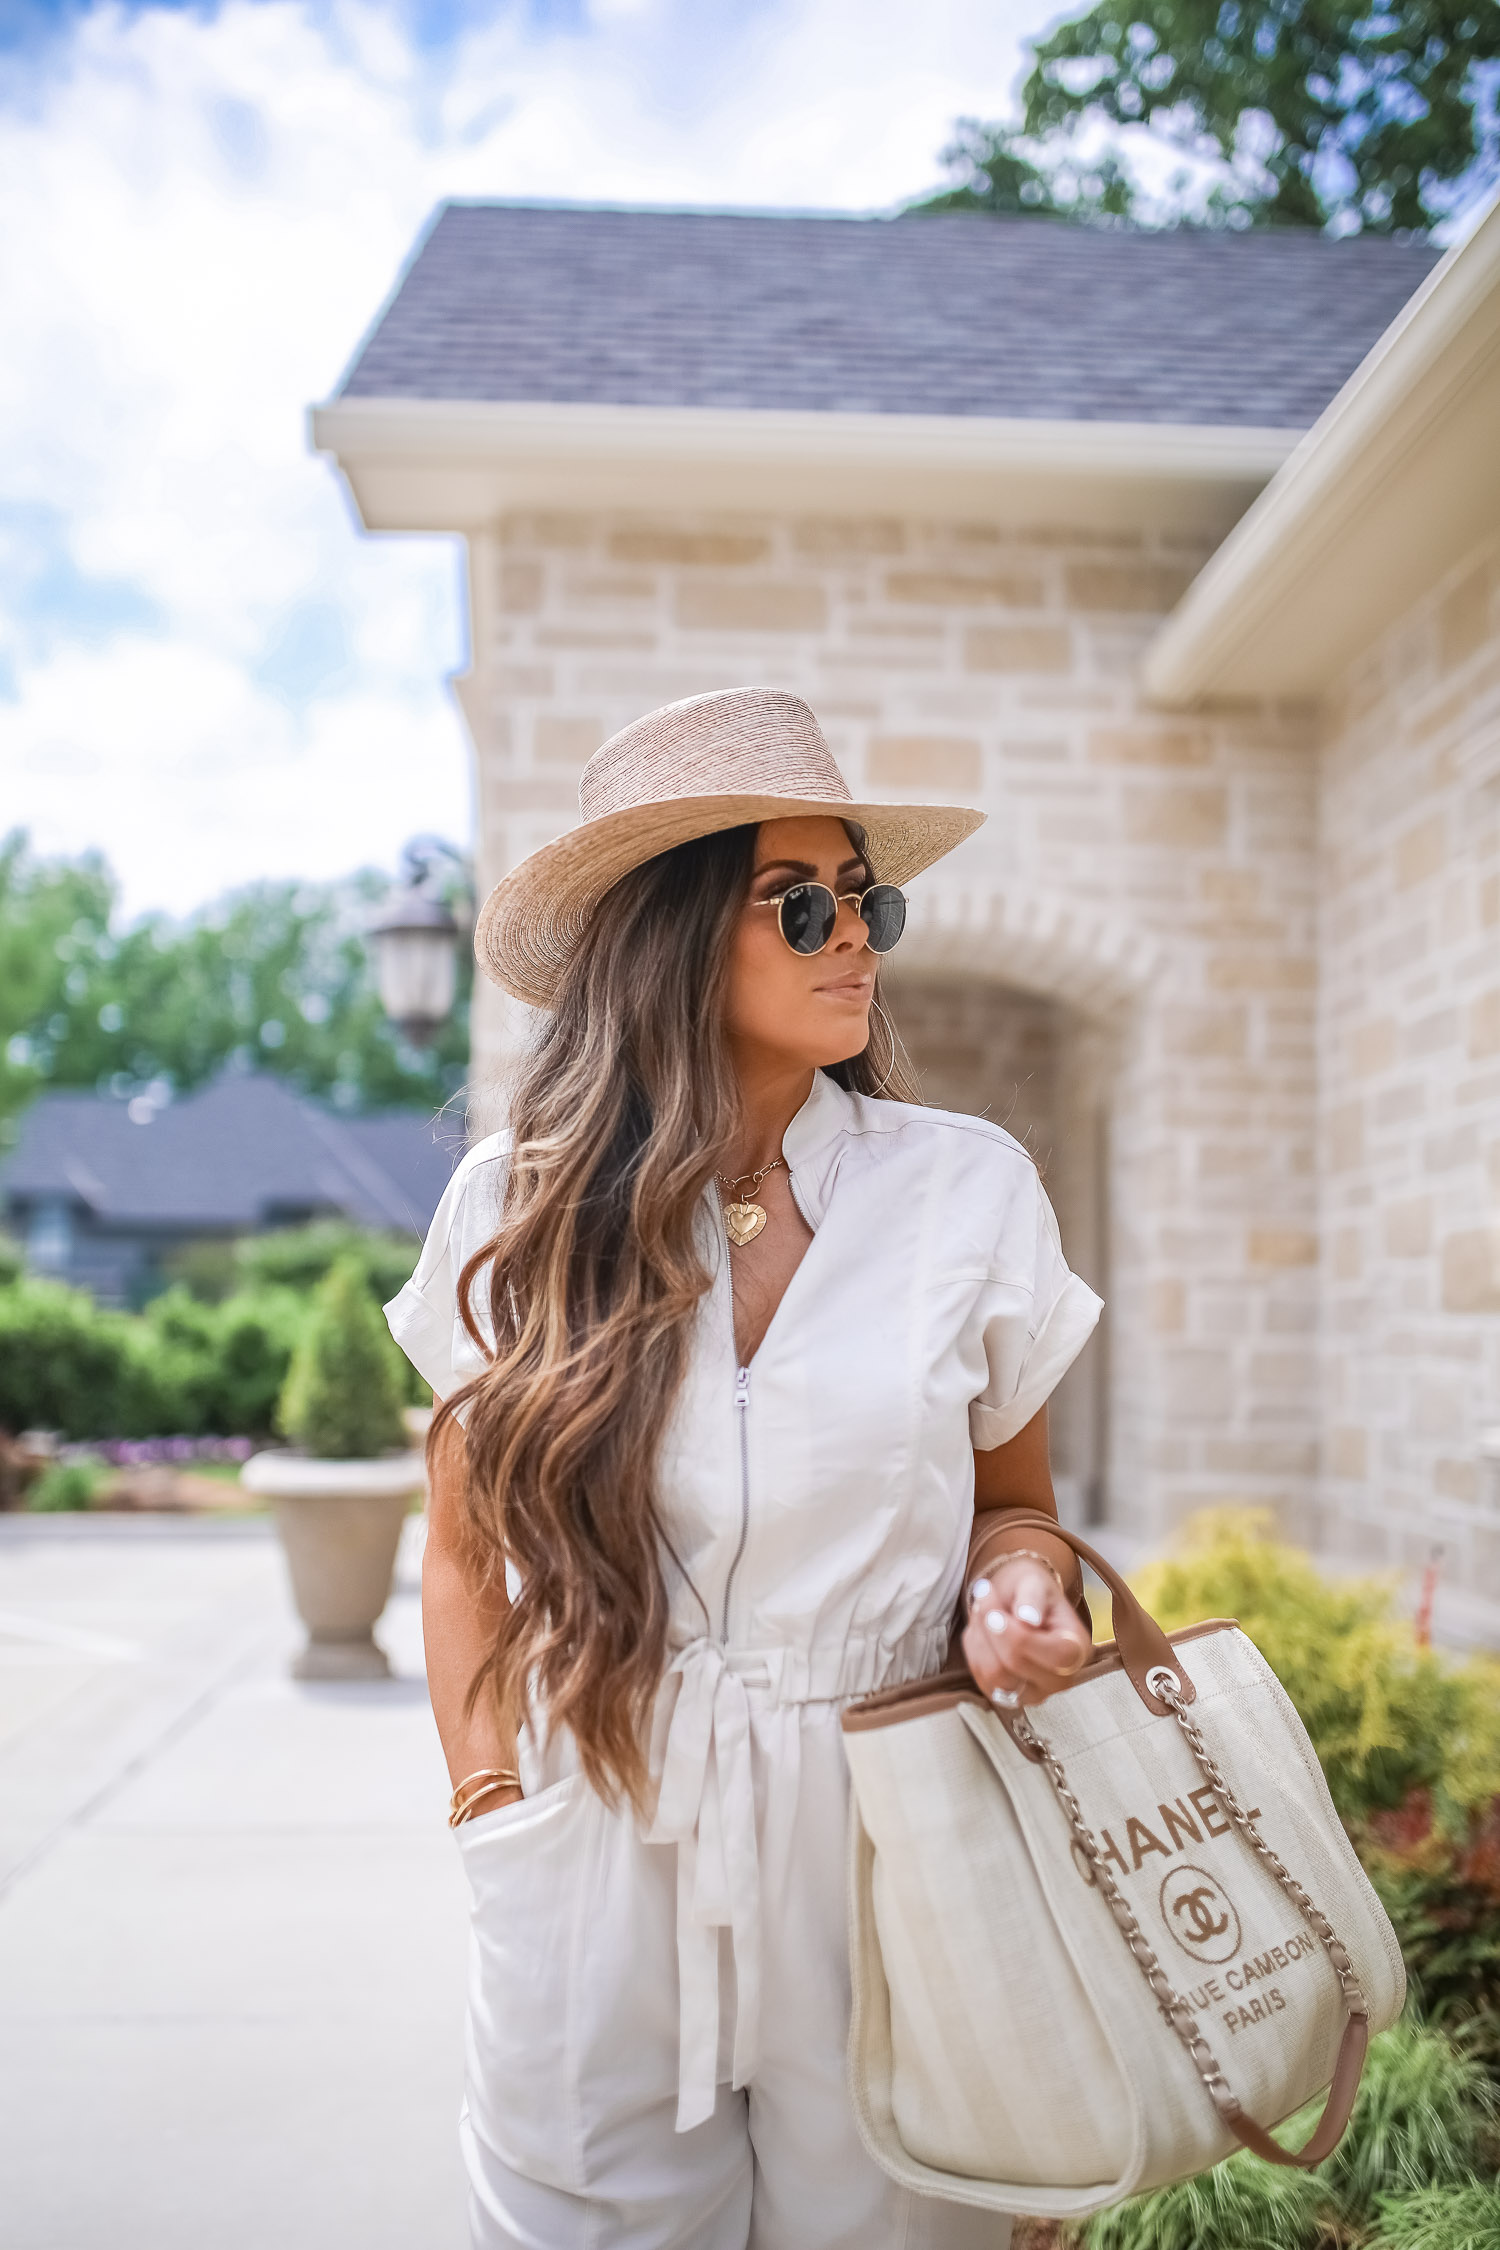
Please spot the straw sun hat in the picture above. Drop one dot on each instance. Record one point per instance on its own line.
(690, 769)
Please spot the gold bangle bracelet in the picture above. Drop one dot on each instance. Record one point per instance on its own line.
(470, 1805)
(485, 1773)
(1020, 1554)
(466, 1796)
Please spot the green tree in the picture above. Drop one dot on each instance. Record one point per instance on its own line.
(344, 1390)
(1306, 112)
(277, 975)
(46, 909)
(996, 174)
(1325, 112)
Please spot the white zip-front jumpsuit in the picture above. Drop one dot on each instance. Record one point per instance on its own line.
(658, 2017)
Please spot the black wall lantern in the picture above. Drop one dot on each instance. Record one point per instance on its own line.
(415, 935)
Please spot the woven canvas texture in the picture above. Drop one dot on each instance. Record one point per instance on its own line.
(712, 762)
(1006, 2049)
(737, 741)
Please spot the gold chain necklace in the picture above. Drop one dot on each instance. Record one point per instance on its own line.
(743, 1216)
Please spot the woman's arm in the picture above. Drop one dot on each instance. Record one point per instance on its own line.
(459, 1618)
(1025, 1630)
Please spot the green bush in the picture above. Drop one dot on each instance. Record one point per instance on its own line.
(67, 1365)
(1443, 1897)
(207, 1269)
(1385, 1716)
(298, 1258)
(344, 1391)
(66, 1487)
(1466, 2218)
(1423, 2121)
(258, 1333)
(301, 1257)
(181, 1367)
(1241, 2204)
(1424, 2117)
(1411, 1745)
(224, 1366)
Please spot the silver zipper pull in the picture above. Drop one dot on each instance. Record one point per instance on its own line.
(742, 1386)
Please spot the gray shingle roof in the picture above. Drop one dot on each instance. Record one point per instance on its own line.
(235, 1156)
(943, 315)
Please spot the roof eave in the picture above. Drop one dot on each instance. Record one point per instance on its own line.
(1395, 481)
(456, 466)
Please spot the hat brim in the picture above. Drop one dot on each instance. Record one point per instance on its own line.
(530, 925)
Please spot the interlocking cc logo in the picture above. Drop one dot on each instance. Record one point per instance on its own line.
(1200, 1915)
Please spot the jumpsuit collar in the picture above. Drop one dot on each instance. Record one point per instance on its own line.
(810, 1144)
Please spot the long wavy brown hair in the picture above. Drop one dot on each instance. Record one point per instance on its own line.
(585, 1300)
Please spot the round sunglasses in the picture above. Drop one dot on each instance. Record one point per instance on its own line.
(808, 912)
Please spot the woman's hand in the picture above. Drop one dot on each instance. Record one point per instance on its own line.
(1024, 1639)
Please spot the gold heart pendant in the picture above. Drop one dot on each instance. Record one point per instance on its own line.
(743, 1222)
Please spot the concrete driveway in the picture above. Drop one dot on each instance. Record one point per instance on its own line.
(232, 1922)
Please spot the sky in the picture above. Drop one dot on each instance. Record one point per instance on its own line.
(206, 669)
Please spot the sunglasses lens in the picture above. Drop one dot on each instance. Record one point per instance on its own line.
(884, 911)
(808, 913)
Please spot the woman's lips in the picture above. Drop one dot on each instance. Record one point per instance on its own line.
(850, 988)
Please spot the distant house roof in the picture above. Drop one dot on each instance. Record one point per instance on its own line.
(241, 1154)
(952, 315)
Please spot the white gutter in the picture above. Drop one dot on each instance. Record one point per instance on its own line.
(1373, 505)
(438, 465)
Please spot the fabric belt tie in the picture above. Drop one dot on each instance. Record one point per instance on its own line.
(705, 1805)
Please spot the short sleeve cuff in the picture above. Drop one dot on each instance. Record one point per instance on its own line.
(425, 1334)
(1057, 1343)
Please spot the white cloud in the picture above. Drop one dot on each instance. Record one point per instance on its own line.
(215, 675)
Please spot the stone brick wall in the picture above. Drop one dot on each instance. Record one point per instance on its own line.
(1410, 1045)
(1152, 878)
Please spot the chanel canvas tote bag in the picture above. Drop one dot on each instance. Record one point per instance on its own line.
(1096, 1949)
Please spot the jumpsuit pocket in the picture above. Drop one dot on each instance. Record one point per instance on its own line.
(527, 1867)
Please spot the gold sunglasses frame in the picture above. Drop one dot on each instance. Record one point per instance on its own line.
(840, 898)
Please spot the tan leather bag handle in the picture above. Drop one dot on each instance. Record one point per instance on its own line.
(1338, 2108)
(1144, 1647)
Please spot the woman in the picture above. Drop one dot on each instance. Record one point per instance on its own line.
(732, 1339)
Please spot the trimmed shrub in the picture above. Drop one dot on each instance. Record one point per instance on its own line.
(344, 1391)
(224, 1366)
(300, 1257)
(1386, 1717)
(66, 1365)
(181, 1368)
(258, 1333)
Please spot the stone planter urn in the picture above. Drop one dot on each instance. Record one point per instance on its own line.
(340, 1525)
(341, 1494)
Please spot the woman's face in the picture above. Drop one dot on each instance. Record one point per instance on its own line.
(795, 1008)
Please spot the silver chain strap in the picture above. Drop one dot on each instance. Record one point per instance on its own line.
(1166, 1687)
(1316, 1920)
